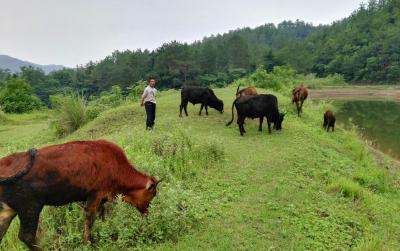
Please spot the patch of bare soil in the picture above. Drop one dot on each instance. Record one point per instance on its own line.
(394, 94)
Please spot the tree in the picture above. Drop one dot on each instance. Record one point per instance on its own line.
(4, 74)
(16, 96)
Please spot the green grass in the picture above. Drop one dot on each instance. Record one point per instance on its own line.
(297, 189)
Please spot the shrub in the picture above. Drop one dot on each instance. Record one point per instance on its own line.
(136, 90)
(281, 79)
(106, 100)
(16, 96)
(72, 113)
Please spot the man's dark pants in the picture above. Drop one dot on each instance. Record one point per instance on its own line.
(150, 114)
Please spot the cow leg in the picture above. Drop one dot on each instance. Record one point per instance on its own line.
(183, 106)
(241, 127)
(102, 209)
(7, 214)
(298, 108)
(206, 107)
(269, 126)
(201, 109)
(301, 105)
(260, 125)
(333, 127)
(90, 214)
(29, 219)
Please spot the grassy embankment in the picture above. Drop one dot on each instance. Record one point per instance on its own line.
(298, 189)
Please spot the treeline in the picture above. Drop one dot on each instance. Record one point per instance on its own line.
(363, 48)
(215, 60)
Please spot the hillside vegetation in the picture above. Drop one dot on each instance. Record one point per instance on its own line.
(297, 189)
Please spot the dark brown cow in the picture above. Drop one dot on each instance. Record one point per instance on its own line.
(248, 91)
(329, 120)
(299, 95)
(88, 171)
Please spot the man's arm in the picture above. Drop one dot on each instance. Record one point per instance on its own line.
(143, 97)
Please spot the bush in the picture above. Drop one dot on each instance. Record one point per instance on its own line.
(106, 100)
(136, 90)
(313, 82)
(16, 96)
(72, 113)
(281, 79)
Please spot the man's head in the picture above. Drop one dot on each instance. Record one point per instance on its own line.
(152, 82)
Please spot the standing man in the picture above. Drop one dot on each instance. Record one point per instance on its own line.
(149, 103)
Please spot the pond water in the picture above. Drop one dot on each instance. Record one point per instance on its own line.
(378, 121)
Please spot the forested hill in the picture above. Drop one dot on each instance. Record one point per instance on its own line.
(363, 47)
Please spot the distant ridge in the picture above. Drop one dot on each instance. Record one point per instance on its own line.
(14, 65)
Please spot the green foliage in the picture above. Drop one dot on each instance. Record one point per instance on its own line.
(360, 47)
(313, 82)
(72, 113)
(105, 101)
(347, 189)
(16, 96)
(136, 91)
(280, 79)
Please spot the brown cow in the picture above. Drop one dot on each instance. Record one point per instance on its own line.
(88, 171)
(329, 120)
(248, 91)
(299, 95)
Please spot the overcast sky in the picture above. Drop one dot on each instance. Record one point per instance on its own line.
(72, 32)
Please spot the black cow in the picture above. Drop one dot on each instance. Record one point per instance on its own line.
(258, 106)
(199, 95)
(329, 120)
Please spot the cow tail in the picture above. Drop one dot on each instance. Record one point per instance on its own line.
(25, 170)
(233, 116)
(237, 90)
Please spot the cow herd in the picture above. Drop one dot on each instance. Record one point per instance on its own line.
(250, 104)
(97, 171)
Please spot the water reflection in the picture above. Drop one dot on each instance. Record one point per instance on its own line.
(379, 121)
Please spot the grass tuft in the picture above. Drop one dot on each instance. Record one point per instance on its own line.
(72, 114)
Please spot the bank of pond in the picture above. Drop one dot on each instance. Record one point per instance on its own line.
(377, 120)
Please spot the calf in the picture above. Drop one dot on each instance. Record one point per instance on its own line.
(329, 120)
(248, 91)
(87, 171)
(258, 106)
(299, 95)
(199, 95)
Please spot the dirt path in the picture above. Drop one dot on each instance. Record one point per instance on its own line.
(357, 92)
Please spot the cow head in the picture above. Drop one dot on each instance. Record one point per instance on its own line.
(219, 105)
(141, 198)
(278, 123)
